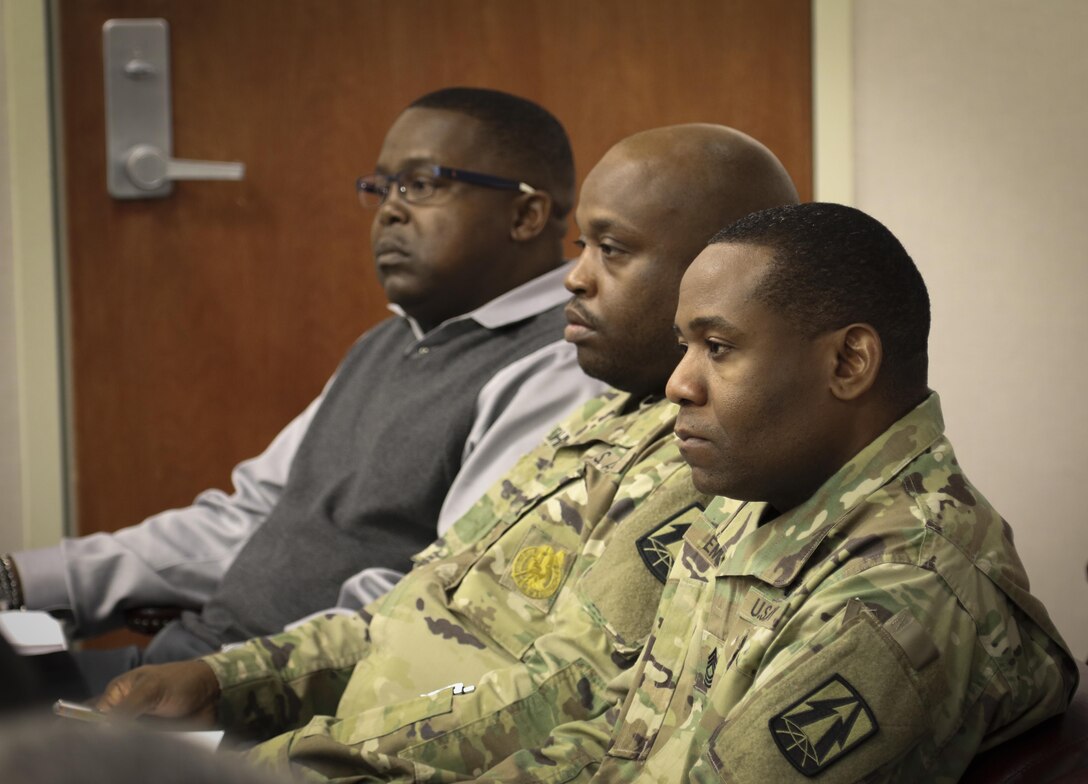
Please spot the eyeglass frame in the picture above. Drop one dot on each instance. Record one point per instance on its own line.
(438, 172)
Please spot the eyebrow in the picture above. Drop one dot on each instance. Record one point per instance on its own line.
(602, 226)
(702, 323)
(406, 165)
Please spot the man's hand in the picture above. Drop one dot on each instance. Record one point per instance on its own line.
(185, 690)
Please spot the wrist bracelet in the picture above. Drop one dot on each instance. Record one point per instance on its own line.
(11, 593)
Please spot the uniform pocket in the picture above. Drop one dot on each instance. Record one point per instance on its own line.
(491, 726)
(377, 722)
(518, 571)
(839, 712)
(659, 668)
(364, 744)
(510, 590)
(638, 557)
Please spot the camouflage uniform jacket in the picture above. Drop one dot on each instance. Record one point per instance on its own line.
(508, 626)
(882, 630)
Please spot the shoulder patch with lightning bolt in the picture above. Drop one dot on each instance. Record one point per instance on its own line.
(823, 726)
(659, 547)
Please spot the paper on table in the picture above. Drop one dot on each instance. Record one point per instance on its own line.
(209, 739)
(32, 632)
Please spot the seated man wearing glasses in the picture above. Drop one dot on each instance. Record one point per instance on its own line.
(426, 410)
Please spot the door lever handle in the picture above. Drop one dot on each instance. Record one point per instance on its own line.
(149, 169)
(140, 163)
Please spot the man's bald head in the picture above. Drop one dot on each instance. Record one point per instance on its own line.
(708, 176)
(646, 210)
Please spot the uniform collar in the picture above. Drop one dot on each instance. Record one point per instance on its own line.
(776, 553)
(528, 299)
(615, 418)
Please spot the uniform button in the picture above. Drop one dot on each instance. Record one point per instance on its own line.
(424, 350)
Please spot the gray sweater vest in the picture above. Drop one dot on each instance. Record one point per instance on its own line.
(368, 480)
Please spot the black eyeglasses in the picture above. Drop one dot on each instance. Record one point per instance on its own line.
(422, 182)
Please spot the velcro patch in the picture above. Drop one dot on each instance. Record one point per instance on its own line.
(822, 727)
(538, 570)
(660, 546)
(760, 610)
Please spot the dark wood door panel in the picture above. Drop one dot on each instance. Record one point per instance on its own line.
(202, 322)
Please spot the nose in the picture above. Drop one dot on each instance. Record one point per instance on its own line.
(580, 279)
(394, 209)
(684, 386)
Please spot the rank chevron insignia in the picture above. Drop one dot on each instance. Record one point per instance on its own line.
(659, 547)
(823, 726)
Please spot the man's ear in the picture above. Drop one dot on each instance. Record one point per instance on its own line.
(531, 214)
(858, 358)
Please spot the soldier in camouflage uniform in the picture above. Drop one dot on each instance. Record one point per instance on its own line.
(868, 618)
(516, 621)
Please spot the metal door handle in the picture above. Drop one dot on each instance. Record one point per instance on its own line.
(139, 137)
(148, 168)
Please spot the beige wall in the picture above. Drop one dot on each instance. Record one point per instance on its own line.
(10, 476)
(31, 503)
(971, 122)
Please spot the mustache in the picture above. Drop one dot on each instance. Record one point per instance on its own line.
(577, 313)
(386, 245)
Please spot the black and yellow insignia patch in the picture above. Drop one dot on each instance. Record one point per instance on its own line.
(660, 547)
(823, 726)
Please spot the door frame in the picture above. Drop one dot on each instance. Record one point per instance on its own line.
(34, 482)
(38, 305)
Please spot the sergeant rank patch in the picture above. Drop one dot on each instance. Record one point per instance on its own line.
(659, 547)
(823, 726)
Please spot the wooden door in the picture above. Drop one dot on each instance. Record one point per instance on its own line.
(201, 323)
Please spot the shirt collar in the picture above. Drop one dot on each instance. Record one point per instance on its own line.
(528, 299)
(776, 553)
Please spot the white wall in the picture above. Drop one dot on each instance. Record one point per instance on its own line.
(971, 127)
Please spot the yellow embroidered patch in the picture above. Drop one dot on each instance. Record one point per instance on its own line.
(537, 571)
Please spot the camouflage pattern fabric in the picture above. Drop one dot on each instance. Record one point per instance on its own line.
(511, 624)
(881, 631)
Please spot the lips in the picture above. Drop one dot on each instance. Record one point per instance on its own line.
(580, 325)
(389, 251)
(685, 433)
(692, 442)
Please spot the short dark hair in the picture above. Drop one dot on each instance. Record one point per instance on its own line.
(833, 266)
(528, 133)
